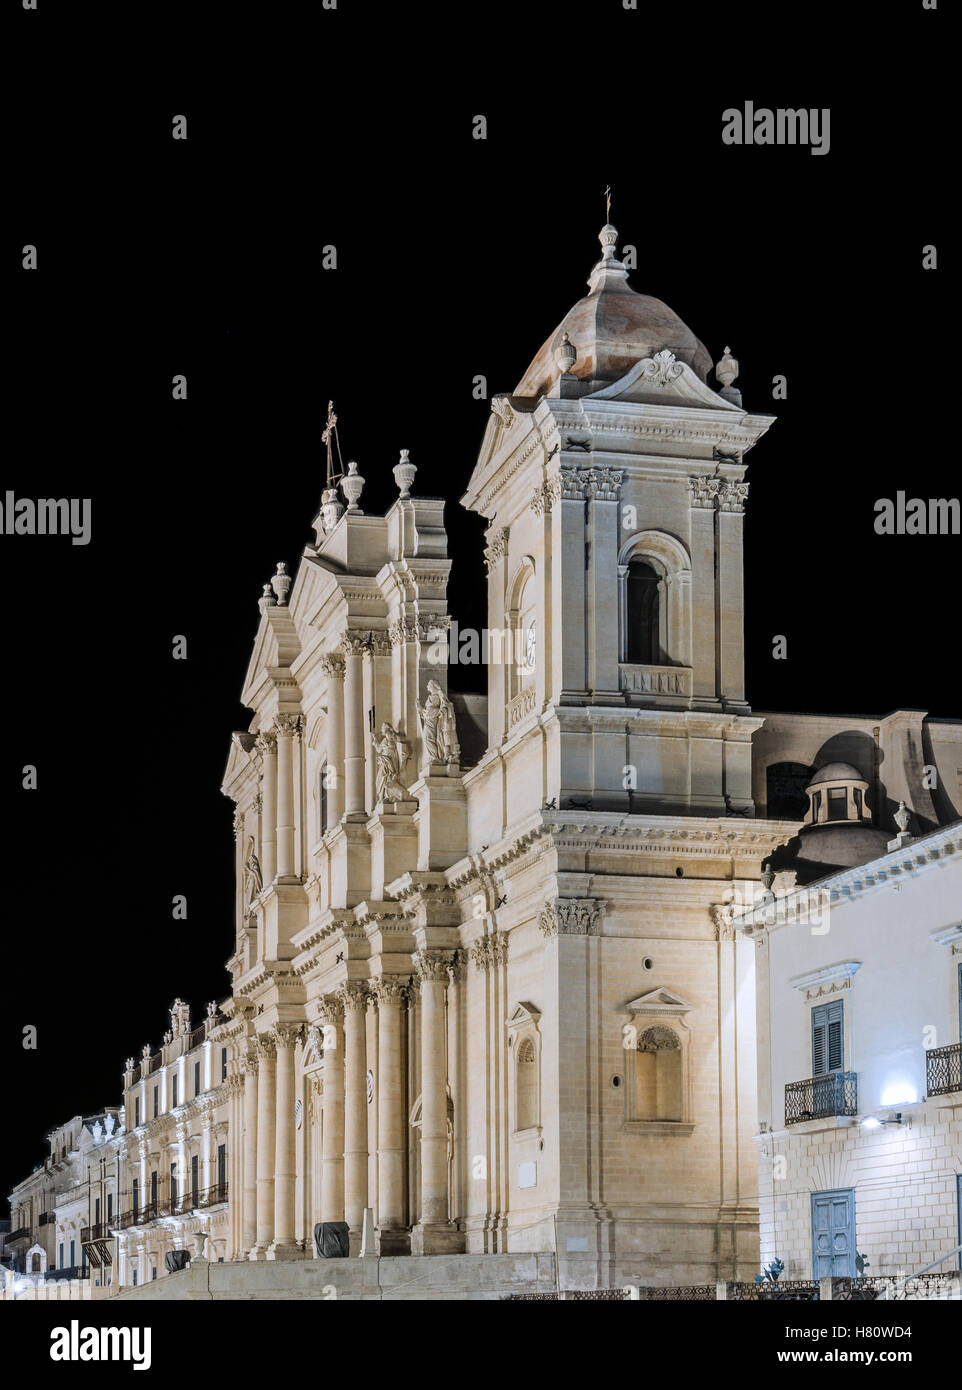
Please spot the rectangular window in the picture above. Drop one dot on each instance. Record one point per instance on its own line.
(173, 1183)
(135, 1278)
(196, 1078)
(135, 1200)
(96, 1211)
(837, 803)
(156, 1101)
(223, 1064)
(221, 1165)
(173, 1092)
(323, 796)
(193, 1179)
(857, 795)
(60, 1257)
(153, 1271)
(833, 1234)
(136, 1111)
(153, 1188)
(110, 1207)
(827, 1038)
(73, 1245)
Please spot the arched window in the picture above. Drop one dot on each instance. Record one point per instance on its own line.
(643, 634)
(322, 797)
(785, 796)
(658, 1076)
(526, 641)
(527, 1085)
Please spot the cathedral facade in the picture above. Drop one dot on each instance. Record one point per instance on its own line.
(486, 991)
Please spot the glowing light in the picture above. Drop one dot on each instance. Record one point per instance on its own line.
(871, 1122)
(900, 1093)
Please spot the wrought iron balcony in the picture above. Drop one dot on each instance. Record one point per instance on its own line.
(101, 1232)
(943, 1070)
(213, 1195)
(819, 1097)
(72, 1272)
(21, 1233)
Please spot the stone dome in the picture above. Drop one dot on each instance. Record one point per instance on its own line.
(836, 772)
(611, 329)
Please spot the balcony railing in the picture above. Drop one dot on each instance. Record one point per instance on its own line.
(821, 1096)
(71, 1272)
(21, 1233)
(180, 1205)
(47, 1218)
(213, 1195)
(943, 1070)
(101, 1232)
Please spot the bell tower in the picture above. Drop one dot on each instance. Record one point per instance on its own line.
(614, 482)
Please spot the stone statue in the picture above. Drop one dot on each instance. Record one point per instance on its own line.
(902, 817)
(253, 880)
(438, 727)
(391, 756)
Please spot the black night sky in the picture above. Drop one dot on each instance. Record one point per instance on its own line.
(456, 257)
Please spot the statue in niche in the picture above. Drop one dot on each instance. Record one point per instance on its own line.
(439, 727)
(391, 755)
(253, 880)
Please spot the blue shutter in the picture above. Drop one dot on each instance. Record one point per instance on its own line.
(828, 1050)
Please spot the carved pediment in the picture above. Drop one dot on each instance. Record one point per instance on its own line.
(663, 380)
(523, 1015)
(659, 1001)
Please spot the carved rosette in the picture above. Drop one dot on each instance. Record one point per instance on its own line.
(389, 991)
(572, 917)
(732, 497)
(432, 965)
(333, 665)
(661, 368)
(545, 496)
(497, 549)
(703, 491)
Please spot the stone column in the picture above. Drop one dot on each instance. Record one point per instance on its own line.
(208, 1142)
(183, 1176)
(604, 490)
(267, 743)
(353, 997)
(144, 1177)
(332, 1176)
(334, 667)
(286, 726)
(285, 1038)
(354, 645)
(393, 1239)
(702, 494)
(265, 1146)
(431, 1234)
(249, 1228)
(731, 507)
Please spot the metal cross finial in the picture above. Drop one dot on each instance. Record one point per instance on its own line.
(608, 203)
(327, 435)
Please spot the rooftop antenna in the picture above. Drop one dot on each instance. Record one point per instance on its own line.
(330, 437)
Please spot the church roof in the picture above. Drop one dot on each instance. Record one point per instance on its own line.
(612, 328)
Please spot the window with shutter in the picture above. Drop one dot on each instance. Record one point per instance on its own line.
(827, 1038)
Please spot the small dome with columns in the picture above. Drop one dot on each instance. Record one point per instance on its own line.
(611, 329)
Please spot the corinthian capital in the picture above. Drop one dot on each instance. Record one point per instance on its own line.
(703, 491)
(289, 725)
(354, 643)
(266, 1045)
(389, 990)
(353, 995)
(432, 965)
(288, 1034)
(267, 742)
(732, 497)
(332, 665)
(572, 917)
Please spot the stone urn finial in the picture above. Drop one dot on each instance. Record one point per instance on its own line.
(726, 370)
(267, 599)
(404, 471)
(767, 878)
(281, 583)
(352, 485)
(902, 817)
(331, 510)
(566, 354)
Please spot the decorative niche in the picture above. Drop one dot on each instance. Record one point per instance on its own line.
(524, 1084)
(657, 1047)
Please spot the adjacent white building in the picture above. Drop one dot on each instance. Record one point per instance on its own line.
(859, 1041)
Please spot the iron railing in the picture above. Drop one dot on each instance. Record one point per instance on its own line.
(943, 1069)
(19, 1234)
(101, 1232)
(71, 1272)
(836, 1093)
